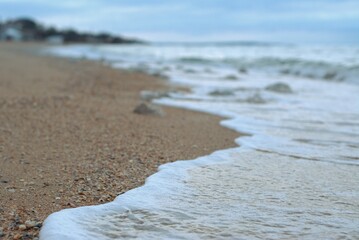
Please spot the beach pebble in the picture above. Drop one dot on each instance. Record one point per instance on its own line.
(242, 70)
(150, 95)
(279, 87)
(22, 227)
(221, 93)
(27, 236)
(148, 109)
(71, 204)
(231, 77)
(159, 75)
(17, 236)
(256, 98)
(30, 224)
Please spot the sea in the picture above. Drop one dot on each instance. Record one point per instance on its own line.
(294, 173)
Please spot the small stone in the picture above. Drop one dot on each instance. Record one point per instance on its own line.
(27, 236)
(256, 98)
(71, 204)
(38, 225)
(279, 88)
(150, 95)
(148, 109)
(17, 236)
(57, 198)
(330, 75)
(221, 93)
(30, 224)
(159, 75)
(231, 77)
(22, 227)
(242, 70)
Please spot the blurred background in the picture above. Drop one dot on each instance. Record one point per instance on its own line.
(291, 21)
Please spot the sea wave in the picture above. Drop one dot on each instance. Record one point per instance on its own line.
(291, 66)
(303, 68)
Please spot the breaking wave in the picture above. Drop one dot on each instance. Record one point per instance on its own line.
(291, 66)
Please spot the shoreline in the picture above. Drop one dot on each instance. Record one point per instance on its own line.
(68, 132)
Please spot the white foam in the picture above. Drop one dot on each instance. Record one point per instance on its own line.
(257, 196)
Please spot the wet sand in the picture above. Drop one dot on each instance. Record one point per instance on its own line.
(69, 137)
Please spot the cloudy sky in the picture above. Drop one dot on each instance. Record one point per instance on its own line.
(304, 21)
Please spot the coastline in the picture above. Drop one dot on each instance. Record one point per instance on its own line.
(69, 136)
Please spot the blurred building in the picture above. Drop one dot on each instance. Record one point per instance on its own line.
(9, 33)
(18, 30)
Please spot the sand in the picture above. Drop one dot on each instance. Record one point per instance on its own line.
(69, 137)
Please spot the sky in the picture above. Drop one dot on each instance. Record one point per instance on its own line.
(290, 21)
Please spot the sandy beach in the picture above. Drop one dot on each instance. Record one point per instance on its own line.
(69, 137)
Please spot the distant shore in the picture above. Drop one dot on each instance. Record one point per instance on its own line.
(29, 30)
(69, 137)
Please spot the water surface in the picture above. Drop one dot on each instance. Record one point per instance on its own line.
(294, 176)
